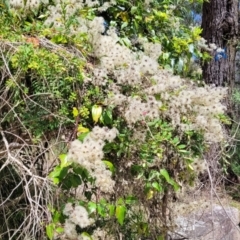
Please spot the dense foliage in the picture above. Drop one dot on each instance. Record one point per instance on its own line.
(92, 82)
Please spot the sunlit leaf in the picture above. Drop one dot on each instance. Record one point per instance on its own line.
(111, 209)
(109, 165)
(120, 214)
(92, 207)
(157, 186)
(96, 112)
(150, 194)
(86, 236)
(82, 129)
(50, 230)
(75, 112)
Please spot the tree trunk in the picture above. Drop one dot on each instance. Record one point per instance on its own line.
(220, 26)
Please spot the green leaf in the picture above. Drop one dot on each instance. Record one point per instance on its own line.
(101, 209)
(165, 55)
(54, 175)
(175, 141)
(150, 193)
(125, 24)
(50, 230)
(156, 186)
(111, 208)
(161, 237)
(169, 180)
(92, 207)
(56, 216)
(107, 116)
(75, 112)
(153, 174)
(82, 136)
(134, 9)
(120, 214)
(59, 230)
(130, 200)
(58, 174)
(120, 201)
(64, 161)
(63, 173)
(181, 146)
(175, 186)
(96, 112)
(109, 165)
(137, 170)
(75, 180)
(165, 174)
(86, 236)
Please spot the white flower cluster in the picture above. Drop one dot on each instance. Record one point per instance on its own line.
(181, 99)
(99, 76)
(138, 110)
(164, 83)
(89, 154)
(153, 50)
(28, 4)
(116, 99)
(63, 9)
(199, 165)
(77, 215)
(202, 106)
(111, 54)
(131, 75)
